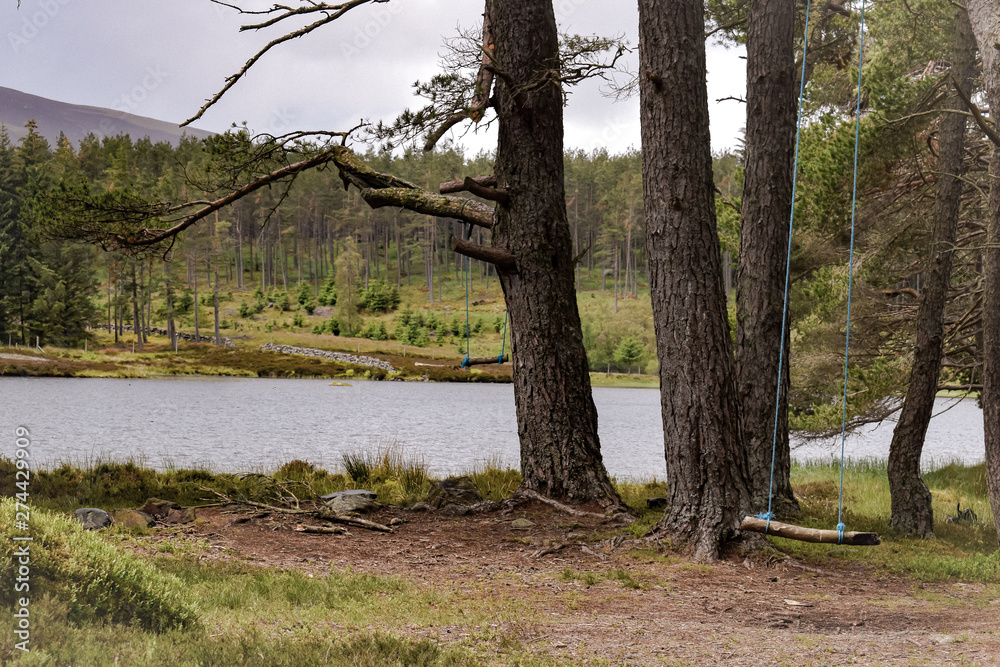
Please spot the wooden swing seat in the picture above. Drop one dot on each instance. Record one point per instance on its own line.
(786, 530)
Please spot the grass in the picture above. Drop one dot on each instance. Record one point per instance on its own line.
(958, 552)
(176, 609)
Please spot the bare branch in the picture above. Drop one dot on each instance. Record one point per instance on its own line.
(332, 13)
(496, 256)
(984, 124)
(459, 186)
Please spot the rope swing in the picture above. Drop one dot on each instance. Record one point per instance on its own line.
(763, 522)
(468, 362)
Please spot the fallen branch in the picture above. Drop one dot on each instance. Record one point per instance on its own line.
(322, 530)
(325, 514)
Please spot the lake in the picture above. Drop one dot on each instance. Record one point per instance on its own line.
(231, 425)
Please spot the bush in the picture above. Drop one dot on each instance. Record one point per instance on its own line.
(310, 306)
(183, 303)
(298, 320)
(328, 294)
(283, 302)
(245, 309)
(331, 326)
(304, 294)
(97, 581)
(378, 297)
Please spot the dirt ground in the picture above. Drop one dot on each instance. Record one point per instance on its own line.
(637, 607)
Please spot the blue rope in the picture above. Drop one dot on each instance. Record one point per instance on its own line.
(788, 266)
(503, 338)
(465, 266)
(850, 275)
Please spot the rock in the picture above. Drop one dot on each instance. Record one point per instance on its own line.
(485, 506)
(455, 509)
(420, 507)
(157, 508)
(457, 490)
(656, 503)
(180, 515)
(353, 500)
(133, 519)
(93, 518)
(521, 524)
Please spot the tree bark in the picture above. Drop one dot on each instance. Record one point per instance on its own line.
(910, 498)
(215, 304)
(556, 416)
(985, 18)
(760, 284)
(706, 465)
(136, 317)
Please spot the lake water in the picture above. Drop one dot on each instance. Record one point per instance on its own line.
(230, 425)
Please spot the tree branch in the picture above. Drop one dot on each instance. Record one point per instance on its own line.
(420, 201)
(333, 12)
(984, 124)
(496, 256)
(459, 186)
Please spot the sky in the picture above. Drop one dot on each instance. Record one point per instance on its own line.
(164, 59)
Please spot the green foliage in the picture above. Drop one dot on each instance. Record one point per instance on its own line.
(96, 581)
(330, 326)
(375, 331)
(328, 293)
(245, 309)
(298, 320)
(282, 302)
(629, 351)
(378, 297)
(304, 294)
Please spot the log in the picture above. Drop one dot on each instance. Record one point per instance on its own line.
(852, 538)
(479, 361)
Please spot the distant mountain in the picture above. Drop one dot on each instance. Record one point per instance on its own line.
(76, 121)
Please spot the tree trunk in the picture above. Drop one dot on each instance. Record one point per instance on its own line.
(911, 500)
(985, 17)
(218, 335)
(760, 283)
(556, 416)
(706, 465)
(136, 317)
(169, 297)
(196, 332)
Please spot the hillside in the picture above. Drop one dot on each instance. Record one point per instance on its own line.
(77, 120)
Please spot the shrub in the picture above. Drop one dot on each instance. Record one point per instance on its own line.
(328, 293)
(378, 297)
(298, 320)
(97, 581)
(245, 309)
(304, 293)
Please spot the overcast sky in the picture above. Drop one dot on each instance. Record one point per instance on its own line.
(164, 59)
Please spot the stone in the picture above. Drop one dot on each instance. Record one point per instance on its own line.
(93, 518)
(521, 524)
(133, 519)
(485, 506)
(656, 503)
(352, 500)
(457, 490)
(420, 507)
(180, 515)
(455, 509)
(157, 508)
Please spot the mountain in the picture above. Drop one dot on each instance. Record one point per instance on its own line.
(77, 120)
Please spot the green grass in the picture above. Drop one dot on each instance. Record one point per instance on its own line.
(958, 552)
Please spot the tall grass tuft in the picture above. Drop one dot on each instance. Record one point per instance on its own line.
(391, 475)
(494, 479)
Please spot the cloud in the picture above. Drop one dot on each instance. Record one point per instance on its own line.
(361, 66)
